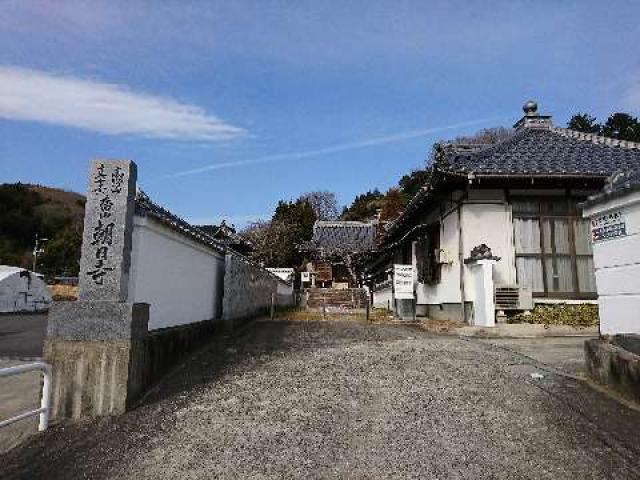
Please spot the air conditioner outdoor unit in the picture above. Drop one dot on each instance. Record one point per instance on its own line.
(513, 297)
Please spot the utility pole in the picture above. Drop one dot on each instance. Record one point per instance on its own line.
(37, 249)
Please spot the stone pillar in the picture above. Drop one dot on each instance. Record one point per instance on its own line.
(96, 343)
(484, 310)
(108, 229)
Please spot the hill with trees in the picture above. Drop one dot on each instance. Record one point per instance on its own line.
(54, 214)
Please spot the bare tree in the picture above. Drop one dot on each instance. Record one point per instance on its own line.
(486, 136)
(323, 203)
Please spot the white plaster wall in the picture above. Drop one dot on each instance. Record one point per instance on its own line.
(617, 263)
(488, 223)
(491, 224)
(181, 279)
(448, 289)
(383, 298)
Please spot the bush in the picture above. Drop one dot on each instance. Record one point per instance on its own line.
(579, 315)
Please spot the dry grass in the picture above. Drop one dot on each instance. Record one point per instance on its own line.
(62, 293)
(440, 326)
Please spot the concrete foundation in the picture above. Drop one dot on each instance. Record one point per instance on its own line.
(106, 371)
(611, 365)
(447, 311)
(91, 346)
(89, 378)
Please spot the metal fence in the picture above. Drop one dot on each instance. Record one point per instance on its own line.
(45, 400)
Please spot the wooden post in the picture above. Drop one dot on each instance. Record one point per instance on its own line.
(273, 305)
(324, 308)
(367, 307)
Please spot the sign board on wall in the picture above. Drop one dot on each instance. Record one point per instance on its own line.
(305, 277)
(608, 226)
(403, 281)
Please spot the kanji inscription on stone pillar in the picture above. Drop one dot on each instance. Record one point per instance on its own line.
(108, 225)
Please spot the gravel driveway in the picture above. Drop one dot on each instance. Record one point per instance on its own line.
(347, 400)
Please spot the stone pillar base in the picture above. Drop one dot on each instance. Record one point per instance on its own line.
(93, 347)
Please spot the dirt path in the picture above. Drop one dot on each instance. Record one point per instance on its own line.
(346, 400)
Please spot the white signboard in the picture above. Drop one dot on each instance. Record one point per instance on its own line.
(403, 282)
(305, 276)
(610, 225)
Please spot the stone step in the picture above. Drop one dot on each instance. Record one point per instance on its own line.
(344, 298)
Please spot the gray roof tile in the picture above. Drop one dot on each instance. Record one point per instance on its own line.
(343, 237)
(618, 184)
(543, 151)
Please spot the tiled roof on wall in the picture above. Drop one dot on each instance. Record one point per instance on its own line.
(618, 184)
(146, 207)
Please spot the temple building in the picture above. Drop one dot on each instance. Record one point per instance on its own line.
(338, 250)
(514, 204)
(227, 236)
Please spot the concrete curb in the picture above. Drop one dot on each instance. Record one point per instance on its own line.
(525, 330)
(9, 358)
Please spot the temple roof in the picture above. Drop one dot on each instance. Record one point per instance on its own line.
(536, 149)
(542, 151)
(343, 237)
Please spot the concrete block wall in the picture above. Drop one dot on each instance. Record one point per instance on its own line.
(248, 289)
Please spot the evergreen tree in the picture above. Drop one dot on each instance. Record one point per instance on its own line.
(583, 122)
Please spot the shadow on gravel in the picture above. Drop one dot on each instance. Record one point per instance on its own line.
(574, 406)
(585, 419)
(263, 339)
(96, 448)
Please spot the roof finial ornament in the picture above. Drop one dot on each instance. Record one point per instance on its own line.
(530, 108)
(532, 119)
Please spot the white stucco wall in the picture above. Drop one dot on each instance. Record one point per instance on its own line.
(485, 218)
(617, 264)
(181, 279)
(448, 289)
(491, 224)
(383, 298)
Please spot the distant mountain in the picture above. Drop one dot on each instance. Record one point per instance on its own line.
(54, 214)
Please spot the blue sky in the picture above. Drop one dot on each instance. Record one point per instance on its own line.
(228, 107)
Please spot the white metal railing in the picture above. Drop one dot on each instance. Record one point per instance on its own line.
(43, 411)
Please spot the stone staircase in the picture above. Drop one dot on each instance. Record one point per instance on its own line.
(343, 299)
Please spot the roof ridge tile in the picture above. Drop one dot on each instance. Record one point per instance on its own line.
(595, 138)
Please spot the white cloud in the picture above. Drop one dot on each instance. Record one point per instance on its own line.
(102, 107)
(370, 142)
